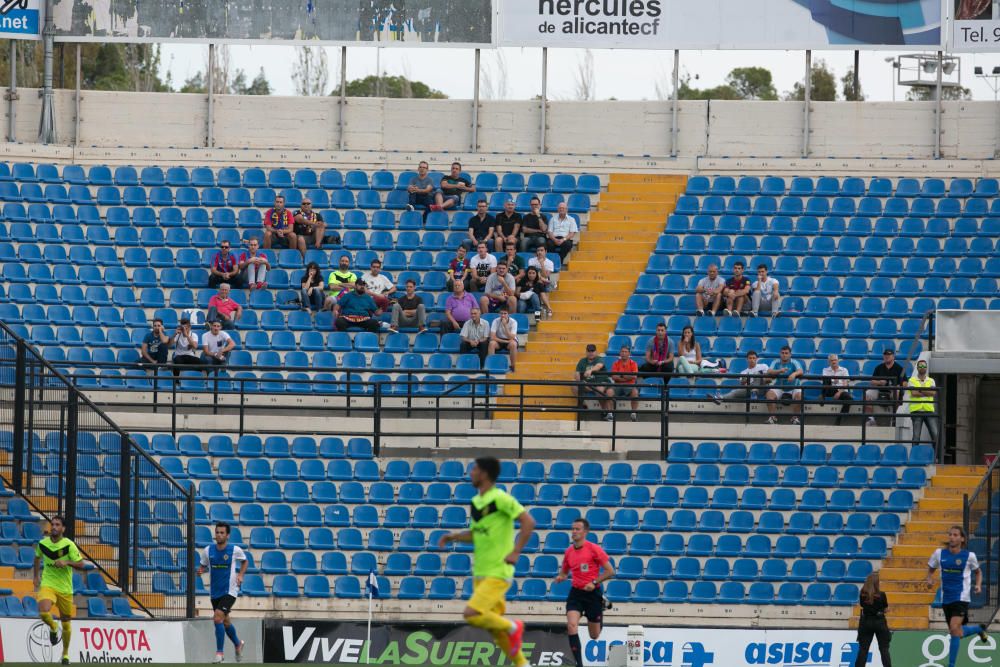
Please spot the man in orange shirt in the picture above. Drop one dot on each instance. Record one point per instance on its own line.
(623, 373)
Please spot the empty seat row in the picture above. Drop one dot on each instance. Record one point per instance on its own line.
(831, 186)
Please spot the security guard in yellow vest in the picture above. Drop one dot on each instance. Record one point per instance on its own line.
(921, 389)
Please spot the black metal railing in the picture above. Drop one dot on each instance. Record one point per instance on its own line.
(64, 456)
(981, 518)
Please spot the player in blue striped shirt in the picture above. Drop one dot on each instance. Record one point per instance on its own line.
(957, 564)
(225, 581)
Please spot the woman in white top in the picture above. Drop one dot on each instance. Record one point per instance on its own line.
(688, 358)
(836, 385)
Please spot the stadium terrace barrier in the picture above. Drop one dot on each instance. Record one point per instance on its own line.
(981, 519)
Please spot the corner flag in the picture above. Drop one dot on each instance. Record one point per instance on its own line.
(371, 585)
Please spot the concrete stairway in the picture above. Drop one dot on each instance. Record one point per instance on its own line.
(593, 289)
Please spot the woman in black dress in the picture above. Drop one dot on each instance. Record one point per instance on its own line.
(874, 604)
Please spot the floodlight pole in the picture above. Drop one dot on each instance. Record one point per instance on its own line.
(210, 89)
(545, 98)
(808, 94)
(47, 122)
(674, 110)
(12, 94)
(78, 102)
(938, 110)
(475, 106)
(343, 96)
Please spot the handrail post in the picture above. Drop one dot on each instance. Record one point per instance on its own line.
(664, 421)
(72, 431)
(189, 549)
(243, 392)
(377, 418)
(20, 388)
(520, 421)
(124, 513)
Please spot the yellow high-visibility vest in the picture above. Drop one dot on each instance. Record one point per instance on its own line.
(921, 403)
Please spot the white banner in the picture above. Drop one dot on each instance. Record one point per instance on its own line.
(721, 24)
(27, 640)
(21, 19)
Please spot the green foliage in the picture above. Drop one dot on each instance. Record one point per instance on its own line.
(927, 93)
(391, 86)
(824, 85)
(752, 83)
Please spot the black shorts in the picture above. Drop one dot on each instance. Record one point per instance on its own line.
(953, 609)
(224, 604)
(588, 603)
(281, 241)
(302, 230)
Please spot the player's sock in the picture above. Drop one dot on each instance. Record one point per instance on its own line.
(492, 622)
(969, 630)
(953, 648)
(574, 646)
(231, 633)
(47, 620)
(67, 631)
(220, 637)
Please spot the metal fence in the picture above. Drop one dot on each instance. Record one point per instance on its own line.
(65, 456)
(982, 525)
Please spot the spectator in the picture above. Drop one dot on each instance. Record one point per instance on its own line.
(752, 381)
(155, 346)
(482, 227)
(458, 309)
(887, 374)
(421, 189)
(736, 291)
(475, 335)
(508, 229)
(254, 264)
(483, 264)
(563, 228)
(689, 359)
(185, 344)
(225, 267)
(708, 293)
(459, 267)
(592, 378)
(380, 288)
(623, 373)
(532, 294)
(340, 281)
(659, 358)
(312, 287)
(765, 294)
(279, 227)
(515, 263)
(922, 404)
(836, 385)
(223, 309)
(500, 290)
(356, 309)
(453, 187)
(503, 335)
(216, 345)
(546, 267)
(787, 388)
(409, 310)
(534, 227)
(308, 225)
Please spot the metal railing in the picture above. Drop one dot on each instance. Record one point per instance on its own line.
(981, 519)
(64, 455)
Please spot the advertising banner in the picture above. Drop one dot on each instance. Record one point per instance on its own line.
(21, 19)
(975, 25)
(27, 640)
(721, 24)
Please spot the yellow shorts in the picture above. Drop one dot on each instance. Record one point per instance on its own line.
(64, 603)
(489, 594)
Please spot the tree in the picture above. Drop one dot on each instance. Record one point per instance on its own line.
(392, 86)
(752, 83)
(259, 86)
(687, 92)
(495, 84)
(847, 85)
(310, 71)
(824, 85)
(103, 66)
(927, 93)
(586, 84)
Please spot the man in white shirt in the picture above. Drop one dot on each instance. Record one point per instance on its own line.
(544, 265)
(751, 383)
(708, 293)
(501, 292)
(563, 229)
(764, 293)
(185, 344)
(503, 335)
(836, 385)
(380, 288)
(254, 265)
(475, 336)
(483, 264)
(216, 345)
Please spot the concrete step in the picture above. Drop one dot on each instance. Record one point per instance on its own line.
(891, 572)
(552, 338)
(917, 585)
(630, 177)
(613, 223)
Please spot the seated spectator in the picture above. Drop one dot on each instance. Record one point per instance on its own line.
(453, 187)
(787, 373)
(836, 385)
(340, 281)
(421, 189)
(562, 230)
(356, 309)
(312, 287)
(659, 358)
(688, 359)
(309, 225)
(532, 294)
(458, 268)
(216, 345)
(593, 382)
(534, 227)
(458, 309)
(482, 227)
(155, 346)
(380, 288)
(225, 267)
(752, 382)
(279, 227)
(623, 373)
(503, 335)
(475, 335)
(501, 291)
(888, 375)
(765, 295)
(546, 267)
(223, 309)
(708, 293)
(254, 264)
(508, 230)
(736, 291)
(409, 310)
(515, 263)
(922, 392)
(185, 344)
(482, 266)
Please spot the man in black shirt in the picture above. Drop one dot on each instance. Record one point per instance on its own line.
(453, 187)
(482, 227)
(894, 376)
(533, 227)
(508, 226)
(309, 224)
(409, 310)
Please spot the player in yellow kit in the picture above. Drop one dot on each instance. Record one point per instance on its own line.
(491, 531)
(58, 556)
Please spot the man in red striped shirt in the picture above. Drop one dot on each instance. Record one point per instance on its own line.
(589, 567)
